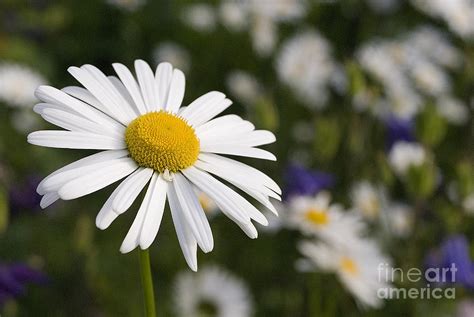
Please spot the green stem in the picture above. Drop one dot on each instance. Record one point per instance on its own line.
(147, 283)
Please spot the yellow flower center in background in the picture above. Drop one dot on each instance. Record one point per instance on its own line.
(317, 216)
(349, 266)
(162, 141)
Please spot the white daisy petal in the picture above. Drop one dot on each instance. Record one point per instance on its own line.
(75, 140)
(131, 84)
(67, 103)
(148, 86)
(193, 213)
(124, 94)
(202, 103)
(54, 182)
(154, 213)
(186, 239)
(132, 187)
(239, 151)
(212, 110)
(48, 199)
(132, 240)
(98, 179)
(243, 182)
(176, 91)
(91, 159)
(111, 92)
(251, 139)
(226, 124)
(239, 167)
(98, 91)
(163, 75)
(220, 193)
(72, 122)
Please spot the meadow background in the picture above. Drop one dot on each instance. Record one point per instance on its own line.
(340, 83)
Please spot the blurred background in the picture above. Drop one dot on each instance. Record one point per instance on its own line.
(372, 104)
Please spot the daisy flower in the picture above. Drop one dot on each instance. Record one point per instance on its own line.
(357, 267)
(145, 136)
(367, 199)
(404, 155)
(316, 216)
(212, 292)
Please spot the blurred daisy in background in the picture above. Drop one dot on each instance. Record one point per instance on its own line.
(356, 266)
(244, 87)
(200, 17)
(172, 53)
(147, 138)
(211, 292)
(127, 5)
(262, 19)
(18, 83)
(400, 219)
(404, 155)
(304, 63)
(316, 216)
(411, 70)
(208, 205)
(458, 14)
(367, 199)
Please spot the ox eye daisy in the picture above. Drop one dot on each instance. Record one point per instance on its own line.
(147, 139)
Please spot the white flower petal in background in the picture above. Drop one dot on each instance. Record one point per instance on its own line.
(357, 267)
(367, 199)
(211, 292)
(305, 65)
(403, 155)
(200, 17)
(244, 87)
(172, 53)
(18, 83)
(127, 5)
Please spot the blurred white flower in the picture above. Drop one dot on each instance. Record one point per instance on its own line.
(211, 292)
(316, 216)
(306, 66)
(200, 17)
(453, 110)
(409, 70)
(207, 203)
(262, 18)
(233, 15)
(129, 5)
(244, 86)
(400, 219)
(404, 155)
(17, 85)
(458, 14)
(468, 204)
(367, 199)
(172, 53)
(357, 267)
(430, 78)
(465, 308)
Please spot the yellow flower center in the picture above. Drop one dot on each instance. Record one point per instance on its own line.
(162, 141)
(316, 216)
(349, 266)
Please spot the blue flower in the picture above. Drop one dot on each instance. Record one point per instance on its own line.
(302, 181)
(13, 280)
(399, 129)
(454, 251)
